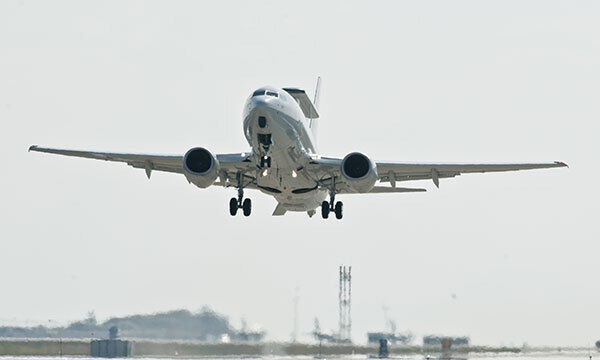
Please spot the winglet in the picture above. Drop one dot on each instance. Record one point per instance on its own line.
(560, 163)
(435, 177)
(32, 147)
(317, 93)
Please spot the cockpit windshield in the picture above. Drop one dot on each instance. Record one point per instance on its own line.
(265, 92)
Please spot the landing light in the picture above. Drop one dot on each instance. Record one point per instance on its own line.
(294, 174)
(265, 157)
(264, 173)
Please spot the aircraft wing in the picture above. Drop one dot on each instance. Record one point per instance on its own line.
(230, 163)
(395, 171)
(328, 168)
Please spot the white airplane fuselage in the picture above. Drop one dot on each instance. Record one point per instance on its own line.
(276, 128)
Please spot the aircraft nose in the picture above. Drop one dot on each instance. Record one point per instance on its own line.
(262, 105)
(261, 102)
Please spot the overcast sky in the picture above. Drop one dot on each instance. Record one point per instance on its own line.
(466, 81)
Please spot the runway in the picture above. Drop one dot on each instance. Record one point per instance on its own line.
(487, 356)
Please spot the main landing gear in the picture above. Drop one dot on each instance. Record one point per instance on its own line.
(327, 206)
(240, 203)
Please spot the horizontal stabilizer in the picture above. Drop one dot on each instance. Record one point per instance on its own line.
(279, 210)
(386, 189)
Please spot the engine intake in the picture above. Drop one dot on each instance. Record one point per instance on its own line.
(201, 167)
(360, 172)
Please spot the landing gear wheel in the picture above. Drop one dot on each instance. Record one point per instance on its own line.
(338, 210)
(233, 206)
(325, 209)
(247, 207)
(269, 162)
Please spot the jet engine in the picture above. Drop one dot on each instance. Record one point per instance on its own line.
(201, 167)
(359, 171)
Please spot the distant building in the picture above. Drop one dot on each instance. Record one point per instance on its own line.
(384, 350)
(439, 340)
(392, 338)
(245, 335)
(331, 338)
(113, 347)
(248, 336)
(334, 339)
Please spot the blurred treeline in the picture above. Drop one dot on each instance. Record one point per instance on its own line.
(205, 325)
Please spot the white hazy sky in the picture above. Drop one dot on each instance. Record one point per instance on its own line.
(412, 81)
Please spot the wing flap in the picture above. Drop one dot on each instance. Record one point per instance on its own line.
(377, 189)
(387, 189)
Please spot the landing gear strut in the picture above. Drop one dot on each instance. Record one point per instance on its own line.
(265, 141)
(240, 202)
(265, 160)
(328, 206)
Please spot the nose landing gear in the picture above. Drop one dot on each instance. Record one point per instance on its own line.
(265, 141)
(265, 161)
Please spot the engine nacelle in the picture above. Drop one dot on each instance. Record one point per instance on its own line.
(201, 167)
(360, 172)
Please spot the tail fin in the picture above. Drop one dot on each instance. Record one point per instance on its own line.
(314, 122)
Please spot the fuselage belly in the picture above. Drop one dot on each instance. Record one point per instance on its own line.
(276, 129)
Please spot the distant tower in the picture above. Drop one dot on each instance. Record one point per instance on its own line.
(295, 331)
(345, 303)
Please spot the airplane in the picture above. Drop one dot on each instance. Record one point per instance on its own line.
(280, 125)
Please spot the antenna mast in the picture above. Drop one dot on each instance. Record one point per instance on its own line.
(345, 303)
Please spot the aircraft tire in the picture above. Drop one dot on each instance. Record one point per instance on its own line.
(325, 209)
(233, 207)
(338, 210)
(247, 207)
